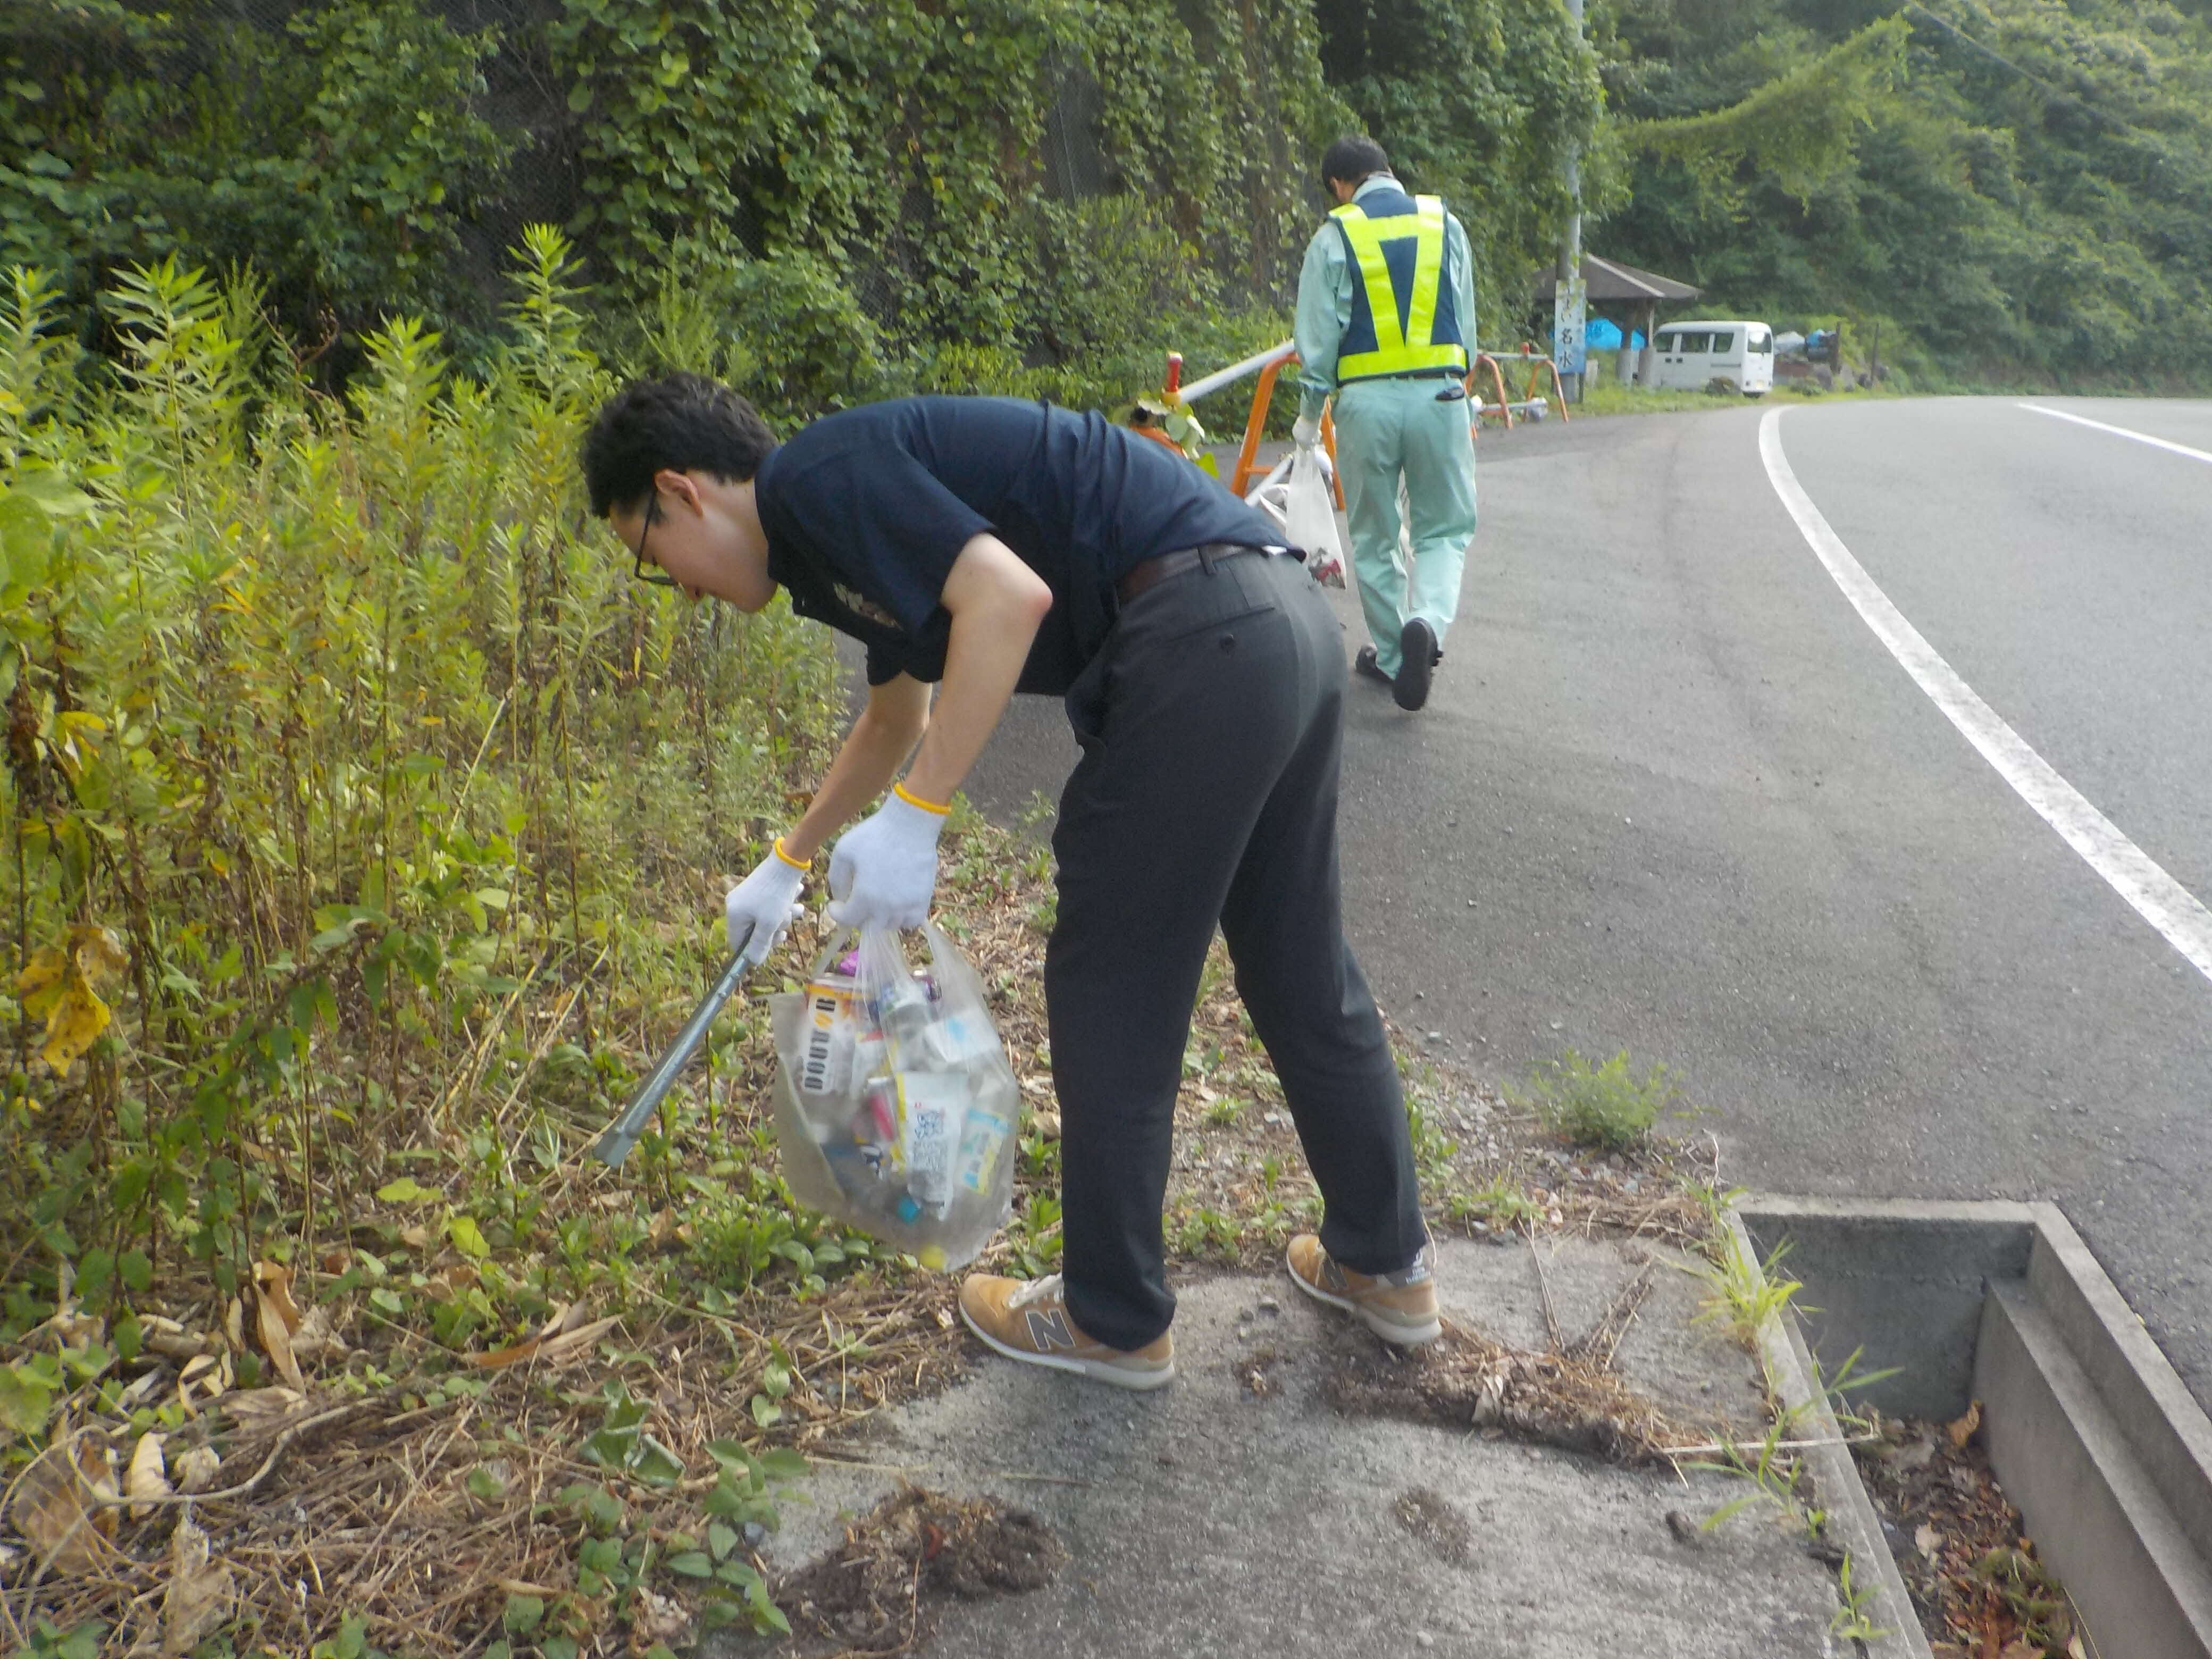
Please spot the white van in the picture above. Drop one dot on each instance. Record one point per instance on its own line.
(1691, 356)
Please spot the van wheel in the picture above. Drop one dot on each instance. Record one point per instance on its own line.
(1755, 394)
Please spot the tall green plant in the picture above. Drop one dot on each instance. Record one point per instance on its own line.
(333, 728)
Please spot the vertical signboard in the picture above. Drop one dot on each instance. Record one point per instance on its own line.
(1568, 316)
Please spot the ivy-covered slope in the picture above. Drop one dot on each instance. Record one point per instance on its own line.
(836, 198)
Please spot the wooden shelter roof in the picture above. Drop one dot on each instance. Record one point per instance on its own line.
(1608, 279)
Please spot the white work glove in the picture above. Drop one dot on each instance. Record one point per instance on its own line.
(883, 871)
(761, 906)
(1306, 431)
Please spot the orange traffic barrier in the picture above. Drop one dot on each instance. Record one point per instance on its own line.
(1255, 424)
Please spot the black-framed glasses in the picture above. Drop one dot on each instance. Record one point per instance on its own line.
(644, 572)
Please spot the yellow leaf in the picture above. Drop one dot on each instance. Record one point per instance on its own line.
(40, 983)
(76, 1022)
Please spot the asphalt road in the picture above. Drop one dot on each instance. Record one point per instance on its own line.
(1672, 795)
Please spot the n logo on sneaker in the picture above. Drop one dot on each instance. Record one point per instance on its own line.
(1049, 1331)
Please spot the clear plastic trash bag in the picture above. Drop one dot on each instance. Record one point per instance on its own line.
(1310, 516)
(896, 1109)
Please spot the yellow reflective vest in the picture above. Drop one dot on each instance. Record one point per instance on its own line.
(1403, 318)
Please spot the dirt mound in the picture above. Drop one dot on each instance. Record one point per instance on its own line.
(1466, 1380)
(872, 1596)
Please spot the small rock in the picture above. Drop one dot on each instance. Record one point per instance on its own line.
(1269, 1305)
(1423, 1639)
(1684, 1529)
(756, 1534)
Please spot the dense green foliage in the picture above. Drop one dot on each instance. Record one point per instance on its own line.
(2007, 191)
(1042, 196)
(333, 731)
(338, 158)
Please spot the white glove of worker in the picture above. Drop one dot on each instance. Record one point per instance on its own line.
(1306, 431)
(883, 871)
(761, 906)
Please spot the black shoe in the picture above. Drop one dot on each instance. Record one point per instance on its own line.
(1364, 663)
(1417, 660)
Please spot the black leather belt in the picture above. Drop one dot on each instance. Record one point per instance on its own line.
(1154, 571)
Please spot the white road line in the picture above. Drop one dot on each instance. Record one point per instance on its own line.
(2134, 875)
(2122, 432)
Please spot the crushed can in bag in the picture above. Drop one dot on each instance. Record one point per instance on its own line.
(895, 1106)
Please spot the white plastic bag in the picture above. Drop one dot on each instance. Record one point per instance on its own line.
(896, 1110)
(1309, 517)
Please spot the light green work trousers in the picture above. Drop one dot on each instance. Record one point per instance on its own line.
(1386, 429)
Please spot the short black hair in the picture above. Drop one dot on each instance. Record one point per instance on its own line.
(684, 422)
(1353, 159)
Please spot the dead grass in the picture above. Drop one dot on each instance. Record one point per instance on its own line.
(419, 1493)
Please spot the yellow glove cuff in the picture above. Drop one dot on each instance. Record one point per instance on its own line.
(796, 864)
(913, 799)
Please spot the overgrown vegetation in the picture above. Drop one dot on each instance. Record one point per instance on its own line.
(1991, 191)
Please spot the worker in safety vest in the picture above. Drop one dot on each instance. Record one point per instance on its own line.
(1386, 320)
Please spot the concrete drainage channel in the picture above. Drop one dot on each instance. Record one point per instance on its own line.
(2089, 1431)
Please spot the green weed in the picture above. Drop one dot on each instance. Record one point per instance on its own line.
(1606, 1107)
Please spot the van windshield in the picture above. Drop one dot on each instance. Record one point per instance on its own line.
(1760, 342)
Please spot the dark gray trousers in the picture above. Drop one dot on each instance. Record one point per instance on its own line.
(1211, 726)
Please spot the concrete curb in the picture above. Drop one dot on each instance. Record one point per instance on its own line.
(1851, 1520)
(2095, 1438)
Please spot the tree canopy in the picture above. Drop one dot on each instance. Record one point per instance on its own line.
(1040, 195)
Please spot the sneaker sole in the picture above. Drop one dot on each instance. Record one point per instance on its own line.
(1416, 664)
(1398, 1336)
(1097, 1371)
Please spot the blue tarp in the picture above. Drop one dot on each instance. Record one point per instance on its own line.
(1603, 334)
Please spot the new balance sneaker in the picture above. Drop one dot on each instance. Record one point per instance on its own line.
(1029, 1321)
(1400, 1308)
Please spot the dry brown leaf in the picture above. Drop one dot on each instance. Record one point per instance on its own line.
(543, 1347)
(57, 1507)
(171, 1340)
(1929, 1540)
(2021, 1648)
(276, 1336)
(199, 1594)
(148, 1476)
(233, 1323)
(313, 1337)
(263, 1408)
(1962, 1430)
(273, 1282)
(197, 1468)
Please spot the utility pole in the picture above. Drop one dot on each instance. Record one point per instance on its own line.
(1570, 305)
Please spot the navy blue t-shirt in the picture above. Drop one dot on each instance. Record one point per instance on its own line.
(867, 510)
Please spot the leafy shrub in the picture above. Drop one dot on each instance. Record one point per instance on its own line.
(784, 332)
(335, 729)
(1604, 1107)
